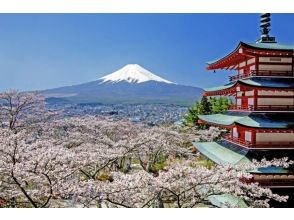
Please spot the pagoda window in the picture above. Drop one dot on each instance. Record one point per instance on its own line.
(248, 136)
(251, 102)
(239, 94)
(235, 132)
(239, 102)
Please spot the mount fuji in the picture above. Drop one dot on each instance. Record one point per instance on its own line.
(133, 73)
(131, 84)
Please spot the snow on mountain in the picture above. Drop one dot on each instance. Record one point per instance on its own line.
(133, 73)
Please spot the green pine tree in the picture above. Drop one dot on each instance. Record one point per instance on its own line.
(220, 105)
(199, 108)
(206, 106)
(192, 116)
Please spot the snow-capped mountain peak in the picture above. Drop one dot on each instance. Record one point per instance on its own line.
(133, 73)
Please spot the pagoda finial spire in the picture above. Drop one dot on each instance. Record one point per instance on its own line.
(265, 24)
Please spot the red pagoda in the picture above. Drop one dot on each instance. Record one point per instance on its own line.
(261, 120)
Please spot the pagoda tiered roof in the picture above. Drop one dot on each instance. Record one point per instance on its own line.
(227, 201)
(261, 122)
(222, 155)
(226, 153)
(264, 82)
(268, 120)
(223, 152)
(271, 170)
(224, 119)
(269, 46)
(247, 50)
(252, 119)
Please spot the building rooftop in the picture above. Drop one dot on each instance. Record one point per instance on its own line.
(218, 153)
(268, 120)
(271, 170)
(239, 54)
(227, 201)
(226, 119)
(269, 46)
(255, 120)
(266, 82)
(226, 153)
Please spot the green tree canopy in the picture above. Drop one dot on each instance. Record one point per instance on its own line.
(219, 105)
(206, 106)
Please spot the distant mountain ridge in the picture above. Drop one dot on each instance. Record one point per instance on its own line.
(131, 84)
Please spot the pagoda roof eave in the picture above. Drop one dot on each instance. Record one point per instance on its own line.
(227, 201)
(267, 120)
(228, 89)
(212, 64)
(220, 154)
(281, 83)
(234, 57)
(220, 88)
(226, 153)
(226, 119)
(272, 120)
(271, 170)
(269, 46)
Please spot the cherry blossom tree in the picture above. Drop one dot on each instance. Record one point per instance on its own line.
(183, 185)
(96, 161)
(32, 168)
(21, 110)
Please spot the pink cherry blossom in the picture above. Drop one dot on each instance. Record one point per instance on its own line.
(48, 161)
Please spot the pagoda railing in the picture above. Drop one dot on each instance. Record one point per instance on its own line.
(269, 144)
(241, 107)
(262, 107)
(237, 141)
(274, 179)
(262, 73)
(239, 76)
(274, 108)
(271, 73)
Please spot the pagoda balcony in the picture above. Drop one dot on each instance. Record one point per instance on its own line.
(264, 73)
(261, 108)
(237, 141)
(248, 144)
(272, 180)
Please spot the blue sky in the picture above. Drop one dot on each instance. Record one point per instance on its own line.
(40, 51)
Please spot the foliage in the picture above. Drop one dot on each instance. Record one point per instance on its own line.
(219, 105)
(199, 108)
(206, 107)
(16, 110)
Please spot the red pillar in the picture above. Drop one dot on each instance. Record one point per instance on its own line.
(255, 99)
(253, 137)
